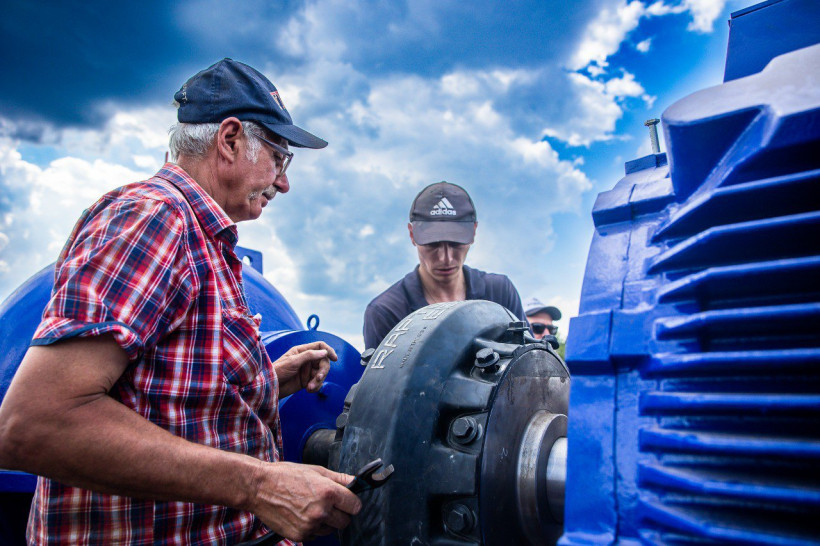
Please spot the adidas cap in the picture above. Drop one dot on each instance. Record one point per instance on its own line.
(443, 212)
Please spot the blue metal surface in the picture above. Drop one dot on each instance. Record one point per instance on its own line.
(20, 314)
(762, 32)
(303, 413)
(695, 404)
(265, 299)
(250, 257)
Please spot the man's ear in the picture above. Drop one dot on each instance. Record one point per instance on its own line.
(228, 139)
(410, 229)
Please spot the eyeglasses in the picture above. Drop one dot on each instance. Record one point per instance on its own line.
(283, 161)
(539, 327)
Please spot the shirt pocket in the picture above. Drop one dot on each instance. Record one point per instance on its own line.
(242, 358)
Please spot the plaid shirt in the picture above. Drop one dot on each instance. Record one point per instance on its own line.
(153, 264)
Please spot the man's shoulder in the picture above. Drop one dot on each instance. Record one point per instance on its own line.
(154, 189)
(393, 298)
(494, 279)
(153, 197)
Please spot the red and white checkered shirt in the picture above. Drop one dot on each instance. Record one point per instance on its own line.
(153, 264)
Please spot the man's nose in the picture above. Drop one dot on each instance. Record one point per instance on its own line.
(282, 184)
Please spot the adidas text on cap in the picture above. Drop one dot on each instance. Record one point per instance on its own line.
(443, 212)
(233, 89)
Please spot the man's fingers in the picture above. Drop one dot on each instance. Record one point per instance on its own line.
(319, 345)
(339, 477)
(347, 501)
(311, 355)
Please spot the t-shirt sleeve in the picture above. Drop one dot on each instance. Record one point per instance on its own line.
(125, 271)
(377, 324)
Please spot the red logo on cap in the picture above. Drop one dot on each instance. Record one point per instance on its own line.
(278, 99)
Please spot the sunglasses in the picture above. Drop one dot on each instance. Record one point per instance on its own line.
(539, 327)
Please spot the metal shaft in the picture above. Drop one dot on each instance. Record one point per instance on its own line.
(557, 478)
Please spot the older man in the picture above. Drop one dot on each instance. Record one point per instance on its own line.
(442, 227)
(147, 400)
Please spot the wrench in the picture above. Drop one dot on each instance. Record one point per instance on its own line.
(370, 477)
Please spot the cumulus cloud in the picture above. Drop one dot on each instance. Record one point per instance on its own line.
(44, 204)
(598, 105)
(704, 13)
(600, 90)
(604, 35)
(339, 237)
(644, 45)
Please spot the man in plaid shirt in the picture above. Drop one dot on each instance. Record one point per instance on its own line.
(147, 400)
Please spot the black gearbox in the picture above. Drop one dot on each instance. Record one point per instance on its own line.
(471, 411)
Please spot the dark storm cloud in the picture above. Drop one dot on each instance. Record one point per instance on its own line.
(63, 62)
(66, 63)
(429, 38)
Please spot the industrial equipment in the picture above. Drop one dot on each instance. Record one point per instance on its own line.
(472, 412)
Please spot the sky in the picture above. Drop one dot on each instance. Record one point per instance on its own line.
(533, 106)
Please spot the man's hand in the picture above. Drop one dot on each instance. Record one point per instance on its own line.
(304, 367)
(301, 502)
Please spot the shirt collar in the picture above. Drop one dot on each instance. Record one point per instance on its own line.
(213, 219)
(415, 290)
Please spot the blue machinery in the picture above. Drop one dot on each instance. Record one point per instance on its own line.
(696, 356)
(695, 400)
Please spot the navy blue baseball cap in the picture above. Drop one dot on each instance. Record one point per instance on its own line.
(443, 212)
(233, 89)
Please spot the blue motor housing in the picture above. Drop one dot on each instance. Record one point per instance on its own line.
(695, 403)
(301, 413)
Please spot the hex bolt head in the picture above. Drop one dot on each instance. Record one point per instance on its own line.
(460, 519)
(465, 429)
(341, 420)
(487, 360)
(516, 331)
(367, 355)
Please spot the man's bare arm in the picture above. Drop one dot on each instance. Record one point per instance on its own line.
(57, 420)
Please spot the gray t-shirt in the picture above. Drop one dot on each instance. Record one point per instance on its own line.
(407, 295)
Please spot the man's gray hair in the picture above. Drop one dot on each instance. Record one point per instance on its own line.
(195, 139)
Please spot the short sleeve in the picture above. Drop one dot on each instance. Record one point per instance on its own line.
(125, 271)
(376, 325)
